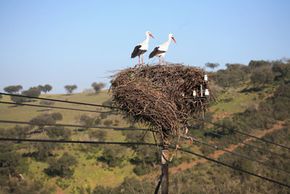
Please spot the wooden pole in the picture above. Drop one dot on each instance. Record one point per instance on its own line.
(164, 169)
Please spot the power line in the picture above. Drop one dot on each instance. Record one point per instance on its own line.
(262, 139)
(147, 144)
(58, 100)
(94, 111)
(254, 146)
(240, 155)
(70, 125)
(54, 107)
(120, 128)
(74, 141)
(243, 133)
(111, 107)
(238, 169)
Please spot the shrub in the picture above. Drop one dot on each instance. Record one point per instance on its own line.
(44, 119)
(98, 86)
(62, 167)
(18, 100)
(262, 76)
(44, 151)
(46, 102)
(58, 132)
(98, 134)
(232, 76)
(108, 122)
(56, 116)
(87, 120)
(113, 155)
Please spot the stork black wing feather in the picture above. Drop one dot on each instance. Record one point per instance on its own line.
(136, 51)
(155, 52)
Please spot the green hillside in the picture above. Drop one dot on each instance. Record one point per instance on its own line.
(253, 98)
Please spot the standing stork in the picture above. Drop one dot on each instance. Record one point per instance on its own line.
(160, 50)
(141, 48)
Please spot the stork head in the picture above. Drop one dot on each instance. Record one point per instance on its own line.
(148, 33)
(170, 36)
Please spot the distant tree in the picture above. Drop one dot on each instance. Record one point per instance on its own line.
(47, 88)
(41, 88)
(62, 167)
(70, 88)
(98, 134)
(18, 99)
(58, 132)
(86, 120)
(145, 158)
(44, 119)
(98, 86)
(262, 76)
(13, 89)
(33, 91)
(259, 64)
(11, 163)
(56, 116)
(234, 75)
(44, 151)
(113, 155)
(212, 65)
(281, 70)
(19, 131)
(1, 96)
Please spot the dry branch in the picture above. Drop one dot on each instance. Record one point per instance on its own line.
(160, 96)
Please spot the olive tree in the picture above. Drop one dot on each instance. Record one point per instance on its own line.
(70, 88)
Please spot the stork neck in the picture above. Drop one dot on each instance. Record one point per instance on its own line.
(168, 42)
(147, 38)
(145, 43)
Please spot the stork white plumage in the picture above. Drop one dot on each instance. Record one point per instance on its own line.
(142, 47)
(160, 50)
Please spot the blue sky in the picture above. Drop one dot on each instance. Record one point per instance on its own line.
(79, 42)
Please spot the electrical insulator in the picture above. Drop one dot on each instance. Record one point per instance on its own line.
(206, 92)
(205, 78)
(201, 91)
(194, 93)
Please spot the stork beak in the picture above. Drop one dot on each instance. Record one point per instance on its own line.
(151, 35)
(173, 39)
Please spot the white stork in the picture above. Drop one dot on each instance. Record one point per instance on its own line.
(160, 50)
(141, 48)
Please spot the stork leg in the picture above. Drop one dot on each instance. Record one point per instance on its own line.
(161, 60)
(138, 60)
(142, 59)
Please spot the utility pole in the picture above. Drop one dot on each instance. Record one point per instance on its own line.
(164, 169)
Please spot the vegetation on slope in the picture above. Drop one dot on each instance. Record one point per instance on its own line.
(251, 98)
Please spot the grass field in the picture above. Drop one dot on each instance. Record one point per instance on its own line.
(89, 172)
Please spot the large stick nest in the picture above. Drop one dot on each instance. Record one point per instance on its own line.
(160, 95)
